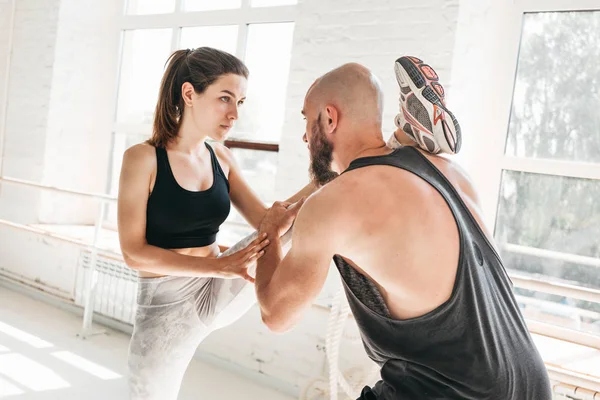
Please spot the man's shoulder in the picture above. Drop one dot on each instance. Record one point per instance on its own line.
(330, 193)
(345, 184)
(331, 203)
(323, 219)
(372, 180)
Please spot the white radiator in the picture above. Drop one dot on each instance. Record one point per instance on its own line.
(116, 287)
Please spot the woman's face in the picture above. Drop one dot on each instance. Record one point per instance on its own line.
(215, 110)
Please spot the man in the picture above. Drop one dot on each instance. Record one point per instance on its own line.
(428, 291)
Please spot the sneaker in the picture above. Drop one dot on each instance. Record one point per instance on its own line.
(423, 114)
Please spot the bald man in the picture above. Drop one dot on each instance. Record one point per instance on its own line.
(426, 286)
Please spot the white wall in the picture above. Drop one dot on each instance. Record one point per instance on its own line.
(6, 10)
(374, 33)
(29, 87)
(61, 86)
(38, 261)
(81, 113)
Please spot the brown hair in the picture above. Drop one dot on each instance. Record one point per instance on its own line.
(200, 67)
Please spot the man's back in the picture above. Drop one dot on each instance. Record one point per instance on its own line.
(428, 290)
(414, 266)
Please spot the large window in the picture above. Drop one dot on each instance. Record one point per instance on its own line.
(257, 31)
(548, 217)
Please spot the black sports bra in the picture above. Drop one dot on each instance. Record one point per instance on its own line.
(177, 218)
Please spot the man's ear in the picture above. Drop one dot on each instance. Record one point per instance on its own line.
(331, 119)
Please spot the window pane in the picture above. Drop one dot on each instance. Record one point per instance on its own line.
(268, 54)
(208, 5)
(559, 310)
(144, 55)
(269, 3)
(558, 214)
(557, 90)
(220, 37)
(138, 7)
(550, 212)
(259, 169)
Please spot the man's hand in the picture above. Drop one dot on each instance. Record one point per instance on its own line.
(280, 217)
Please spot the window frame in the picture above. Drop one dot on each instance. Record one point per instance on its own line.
(489, 177)
(242, 17)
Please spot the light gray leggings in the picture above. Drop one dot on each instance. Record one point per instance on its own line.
(174, 314)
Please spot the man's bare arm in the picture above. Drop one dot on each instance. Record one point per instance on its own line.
(286, 287)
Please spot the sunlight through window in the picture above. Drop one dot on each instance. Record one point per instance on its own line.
(29, 373)
(8, 389)
(86, 365)
(24, 337)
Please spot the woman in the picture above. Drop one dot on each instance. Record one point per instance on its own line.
(175, 192)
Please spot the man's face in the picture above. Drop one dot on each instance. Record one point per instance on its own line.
(321, 152)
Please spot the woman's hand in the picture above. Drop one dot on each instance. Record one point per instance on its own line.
(280, 217)
(237, 264)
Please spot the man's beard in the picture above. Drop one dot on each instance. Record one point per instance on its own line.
(321, 154)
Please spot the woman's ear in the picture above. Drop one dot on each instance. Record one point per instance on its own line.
(187, 93)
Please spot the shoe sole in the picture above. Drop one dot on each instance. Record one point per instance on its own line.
(424, 84)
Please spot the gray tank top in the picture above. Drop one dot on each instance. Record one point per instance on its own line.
(474, 346)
